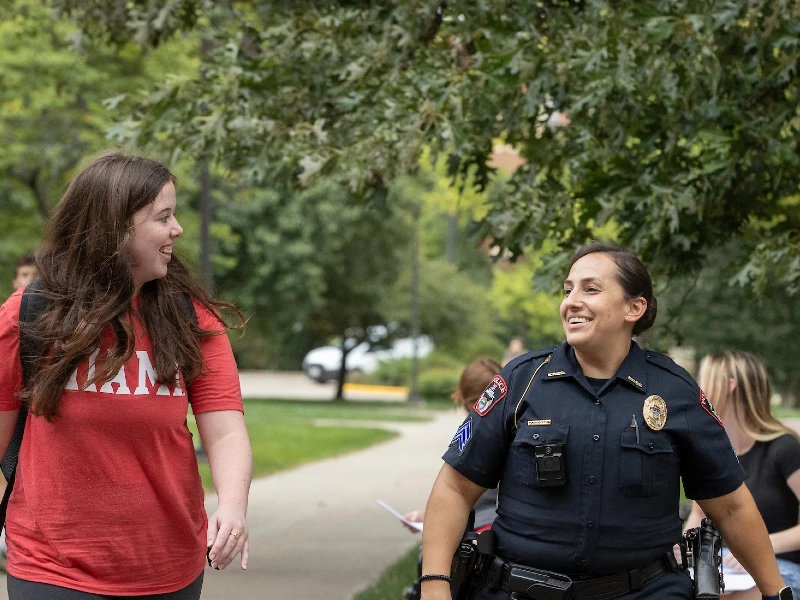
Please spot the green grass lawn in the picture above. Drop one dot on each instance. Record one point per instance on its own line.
(786, 413)
(394, 579)
(283, 433)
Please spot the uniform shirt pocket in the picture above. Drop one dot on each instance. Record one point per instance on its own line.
(524, 453)
(644, 463)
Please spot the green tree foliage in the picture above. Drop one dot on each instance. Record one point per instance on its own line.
(317, 263)
(717, 316)
(683, 115)
(455, 310)
(55, 90)
(682, 130)
(532, 315)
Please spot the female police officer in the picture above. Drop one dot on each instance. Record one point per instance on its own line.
(589, 441)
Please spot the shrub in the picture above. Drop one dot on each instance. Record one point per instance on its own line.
(438, 384)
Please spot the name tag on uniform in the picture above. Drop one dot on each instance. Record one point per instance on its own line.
(541, 422)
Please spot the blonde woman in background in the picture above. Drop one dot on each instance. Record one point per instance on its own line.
(737, 384)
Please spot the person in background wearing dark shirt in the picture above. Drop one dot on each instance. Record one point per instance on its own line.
(769, 452)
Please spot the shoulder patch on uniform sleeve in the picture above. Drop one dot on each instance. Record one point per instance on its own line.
(491, 396)
(709, 408)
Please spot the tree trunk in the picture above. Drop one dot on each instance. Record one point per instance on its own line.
(40, 192)
(342, 371)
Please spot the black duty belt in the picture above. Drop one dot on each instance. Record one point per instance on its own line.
(515, 578)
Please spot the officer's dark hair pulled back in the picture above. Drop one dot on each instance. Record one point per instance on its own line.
(631, 275)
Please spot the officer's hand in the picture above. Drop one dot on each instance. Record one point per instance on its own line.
(676, 550)
(732, 564)
(415, 516)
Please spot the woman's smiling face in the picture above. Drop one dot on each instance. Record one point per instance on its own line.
(154, 228)
(595, 311)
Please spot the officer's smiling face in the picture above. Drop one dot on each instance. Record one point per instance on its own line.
(595, 312)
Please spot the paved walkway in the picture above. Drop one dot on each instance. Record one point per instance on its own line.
(317, 531)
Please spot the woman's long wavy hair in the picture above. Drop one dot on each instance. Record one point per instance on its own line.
(85, 266)
(748, 403)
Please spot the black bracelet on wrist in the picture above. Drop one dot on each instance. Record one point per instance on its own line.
(434, 576)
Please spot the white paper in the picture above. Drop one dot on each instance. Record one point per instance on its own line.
(417, 526)
(737, 580)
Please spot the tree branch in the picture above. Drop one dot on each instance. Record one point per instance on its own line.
(430, 33)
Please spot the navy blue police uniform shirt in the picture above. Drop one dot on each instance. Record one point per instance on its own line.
(619, 506)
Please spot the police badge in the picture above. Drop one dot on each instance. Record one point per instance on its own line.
(655, 412)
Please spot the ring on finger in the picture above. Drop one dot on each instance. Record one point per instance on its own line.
(235, 535)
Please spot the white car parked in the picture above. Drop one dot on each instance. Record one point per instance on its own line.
(322, 364)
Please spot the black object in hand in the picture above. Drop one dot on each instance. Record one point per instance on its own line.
(208, 557)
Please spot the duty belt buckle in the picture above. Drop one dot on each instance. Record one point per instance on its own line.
(536, 584)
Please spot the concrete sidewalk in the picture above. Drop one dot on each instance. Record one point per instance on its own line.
(317, 532)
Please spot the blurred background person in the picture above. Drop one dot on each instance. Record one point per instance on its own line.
(515, 348)
(739, 388)
(26, 271)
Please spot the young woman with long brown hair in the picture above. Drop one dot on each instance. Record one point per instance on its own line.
(108, 501)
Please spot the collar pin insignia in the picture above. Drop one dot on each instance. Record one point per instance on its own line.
(634, 381)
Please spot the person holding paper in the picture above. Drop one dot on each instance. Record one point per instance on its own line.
(769, 452)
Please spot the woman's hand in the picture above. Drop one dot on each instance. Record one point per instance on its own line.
(225, 439)
(227, 537)
(415, 516)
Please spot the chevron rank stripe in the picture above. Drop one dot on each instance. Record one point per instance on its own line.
(462, 435)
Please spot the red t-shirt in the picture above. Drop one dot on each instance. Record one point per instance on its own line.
(108, 499)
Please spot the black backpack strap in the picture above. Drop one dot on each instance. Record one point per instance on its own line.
(33, 304)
